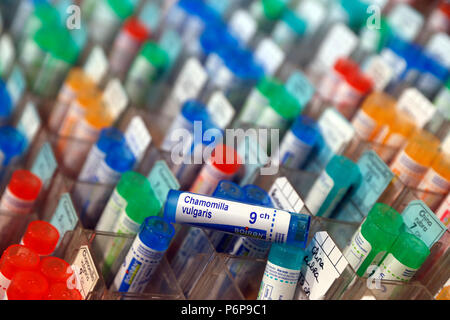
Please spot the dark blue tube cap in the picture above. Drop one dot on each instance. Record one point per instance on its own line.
(170, 207)
(109, 138)
(306, 130)
(257, 195)
(156, 233)
(194, 110)
(298, 230)
(120, 158)
(229, 190)
(430, 65)
(5, 102)
(12, 143)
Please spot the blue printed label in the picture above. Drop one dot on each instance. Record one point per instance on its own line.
(171, 42)
(162, 180)
(300, 87)
(45, 164)
(423, 223)
(65, 217)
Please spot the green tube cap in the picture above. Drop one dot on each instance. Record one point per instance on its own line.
(382, 226)
(133, 184)
(285, 104)
(273, 9)
(410, 250)
(139, 208)
(156, 56)
(122, 8)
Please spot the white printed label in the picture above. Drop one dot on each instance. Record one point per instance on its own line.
(30, 122)
(111, 212)
(87, 274)
(221, 110)
(408, 170)
(233, 217)
(380, 73)
(364, 125)
(243, 25)
(417, 105)
(313, 12)
(392, 269)
(7, 53)
(138, 267)
(278, 283)
(324, 263)
(319, 192)
(340, 42)
(434, 182)
(254, 105)
(9, 202)
(439, 47)
(284, 196)
(405, 21)
(357, 251)
(293, 151)
(94, 158)
(191, 80)
(97, 65)
(4, 284)
(269, 55)
(336, 130)
(138, 137)
(115, 98)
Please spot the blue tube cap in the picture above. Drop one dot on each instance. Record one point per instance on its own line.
(156, 233)
(306, 130)
(170, 207)
(5, 101)
(257, 195)
(229, 190)
(120, 158)
(298, 230)
(12, 143)
(109, 138)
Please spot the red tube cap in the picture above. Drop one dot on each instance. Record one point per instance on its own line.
(360, 82)
(55, 269)
(136, 29)
(25, 185)
(18, 258)
(346, 67)
(226, 159)
(59, 291)
(41, 237)
(27, 285)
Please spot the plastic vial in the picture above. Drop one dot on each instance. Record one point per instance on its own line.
(404, 258)
(144, 256)
(282, 272)
(27, 285)
(131, 184)
(374, 238)
(223, 164)
(412, 163)
(298, 143)
(436, 180)
(127, 44)
(331, 186)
